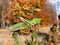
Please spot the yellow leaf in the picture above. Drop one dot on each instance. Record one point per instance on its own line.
(26, 7)
(37, 9)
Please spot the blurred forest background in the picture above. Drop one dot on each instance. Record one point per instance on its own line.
(47, 13)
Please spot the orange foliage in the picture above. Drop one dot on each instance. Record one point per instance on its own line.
(25, 31)
(16, 5)
(45, 12)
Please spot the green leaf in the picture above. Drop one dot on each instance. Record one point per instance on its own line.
(15, 36)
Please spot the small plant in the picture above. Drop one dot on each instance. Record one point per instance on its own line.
(15, 36)
(34, 39)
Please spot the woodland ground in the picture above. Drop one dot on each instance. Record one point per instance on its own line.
(47, 36)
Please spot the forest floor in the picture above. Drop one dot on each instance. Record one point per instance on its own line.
(47, 36)
(53, 37)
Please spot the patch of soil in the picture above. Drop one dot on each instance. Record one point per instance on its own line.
(46, 36)
(6, 37)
